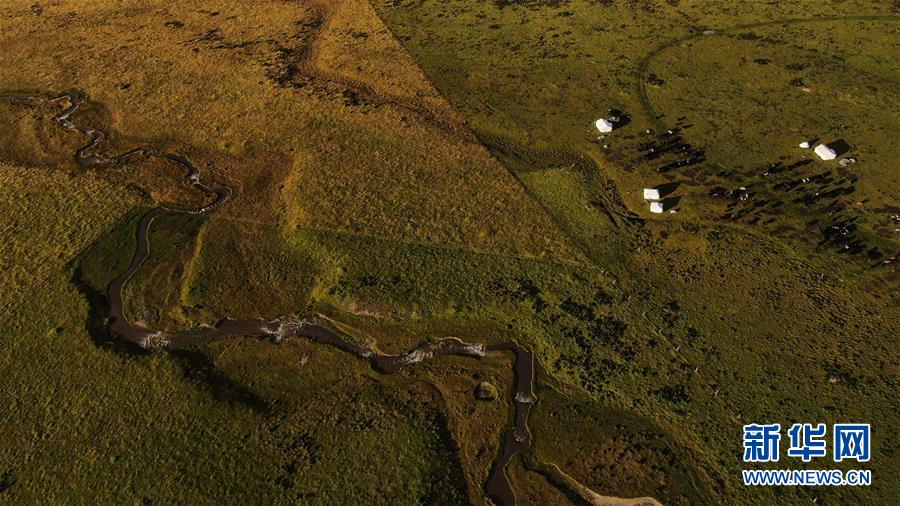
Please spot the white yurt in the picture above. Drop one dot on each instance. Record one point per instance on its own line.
(825, 153)
(604, 125)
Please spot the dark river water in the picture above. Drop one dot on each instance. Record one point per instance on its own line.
(318, 329)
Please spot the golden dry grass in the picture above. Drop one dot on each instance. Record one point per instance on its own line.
(251, 80)
(50, 216)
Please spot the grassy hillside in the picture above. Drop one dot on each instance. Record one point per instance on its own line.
(764, 306)
(424, 169)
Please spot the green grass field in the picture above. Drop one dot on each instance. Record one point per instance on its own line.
(416, 170)
(759, 309)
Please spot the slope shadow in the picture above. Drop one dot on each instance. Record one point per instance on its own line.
(195, 366)
(98, 315)
(200, 370)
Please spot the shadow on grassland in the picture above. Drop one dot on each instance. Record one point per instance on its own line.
(196, 367)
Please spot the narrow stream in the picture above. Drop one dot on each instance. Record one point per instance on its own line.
(314, 328)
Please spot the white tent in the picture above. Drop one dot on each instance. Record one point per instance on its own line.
(804, 145)
(656, 207)
(825, 153)
(604, 125)
(651, 194)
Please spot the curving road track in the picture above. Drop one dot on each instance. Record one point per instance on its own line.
(644, 65)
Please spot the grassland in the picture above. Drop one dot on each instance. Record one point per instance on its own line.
(304, 448)
(424, 169)
(337, 161)
(59, 215)
(223, 424)
(725, 303)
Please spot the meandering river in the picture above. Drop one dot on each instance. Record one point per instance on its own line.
(313, 328)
